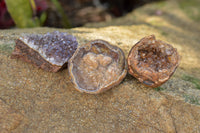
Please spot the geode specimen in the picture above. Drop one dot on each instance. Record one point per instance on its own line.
(97, 66)
(152, 61)
(50, 52)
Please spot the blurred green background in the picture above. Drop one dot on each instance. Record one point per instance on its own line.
(74, 13)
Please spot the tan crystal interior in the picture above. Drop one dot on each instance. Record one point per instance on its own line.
(98, 67)
(156, 57)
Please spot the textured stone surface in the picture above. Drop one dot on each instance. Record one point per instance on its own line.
(10, 119)
(49, 102)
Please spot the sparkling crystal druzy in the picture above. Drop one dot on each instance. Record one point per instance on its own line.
(50, 52)
(152, 61)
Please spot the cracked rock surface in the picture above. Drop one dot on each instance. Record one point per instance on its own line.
(33, 100)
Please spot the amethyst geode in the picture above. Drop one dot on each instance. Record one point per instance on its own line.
(50, 52)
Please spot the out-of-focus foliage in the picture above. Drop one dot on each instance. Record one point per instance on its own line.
(40, 10)
(22, 13)
(31, 13)
(60, 10)
(5, 19)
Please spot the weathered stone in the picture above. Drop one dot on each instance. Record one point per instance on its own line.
(9, 118)
(152, 61)
(50, 103)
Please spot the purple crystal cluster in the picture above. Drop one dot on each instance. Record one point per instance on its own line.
(56, 47)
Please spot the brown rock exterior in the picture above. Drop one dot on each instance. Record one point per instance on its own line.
(97, 66)
(152, 61)
(49, 52)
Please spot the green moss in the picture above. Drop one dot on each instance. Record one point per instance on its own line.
(164, 33)
(8, 48)
(191, 8)
(193, 80)
(159, 89)
(192, 99)
(22, 13)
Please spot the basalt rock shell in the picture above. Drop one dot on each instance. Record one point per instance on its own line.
(49, 52)
(97, 66)
(152, 61)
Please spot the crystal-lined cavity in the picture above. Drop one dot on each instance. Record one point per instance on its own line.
(56, 47)
(50, 51)
(152, 61)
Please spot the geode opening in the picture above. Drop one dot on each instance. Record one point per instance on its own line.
(152, 61)
(97, 66)
(50, 52)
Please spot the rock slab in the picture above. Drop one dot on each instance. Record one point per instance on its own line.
(33, 100)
